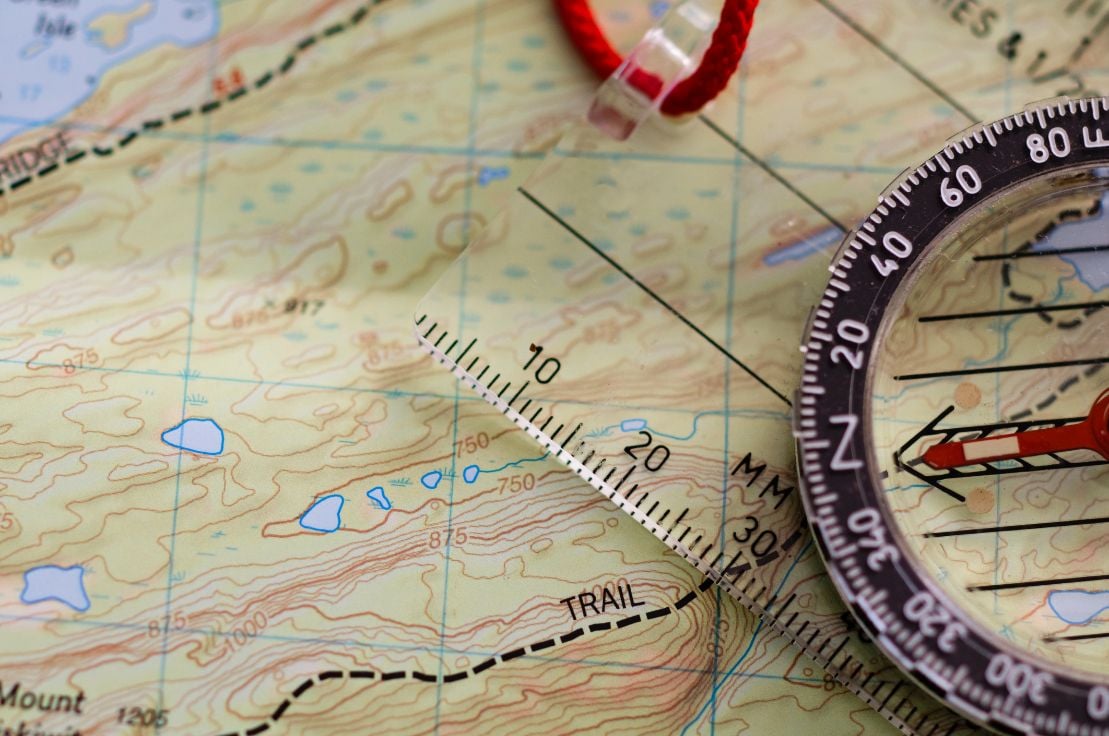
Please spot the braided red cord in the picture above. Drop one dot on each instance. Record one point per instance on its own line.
(692, 93)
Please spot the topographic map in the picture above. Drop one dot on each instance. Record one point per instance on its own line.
(235, 494)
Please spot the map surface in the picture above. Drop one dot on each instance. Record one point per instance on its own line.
(234, 492)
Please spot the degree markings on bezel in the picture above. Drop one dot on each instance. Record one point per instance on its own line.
(981, 701)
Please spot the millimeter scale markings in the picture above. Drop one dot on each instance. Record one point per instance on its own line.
(565, 309)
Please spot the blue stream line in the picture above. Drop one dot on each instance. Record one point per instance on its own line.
(516, 463)
(728, 412)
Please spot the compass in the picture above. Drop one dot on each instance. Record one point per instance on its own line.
(953, 421)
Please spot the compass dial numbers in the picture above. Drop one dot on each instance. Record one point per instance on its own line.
(953, 421)
(1009, 517)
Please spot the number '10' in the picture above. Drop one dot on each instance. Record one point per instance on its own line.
(545, 371)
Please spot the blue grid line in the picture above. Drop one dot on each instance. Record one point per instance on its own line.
(733, 257)
(716, 674)
(1002, 339)
(329, 144)
(394, 393)
(407, 648)
(196, 376)
(198, 234)
(758, 629)
(468, 151)
(477, 53)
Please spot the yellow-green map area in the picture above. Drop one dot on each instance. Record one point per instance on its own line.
(235, 494)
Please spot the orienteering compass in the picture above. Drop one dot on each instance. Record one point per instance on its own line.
(953, 421)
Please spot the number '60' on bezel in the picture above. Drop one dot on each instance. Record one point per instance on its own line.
(913, 621)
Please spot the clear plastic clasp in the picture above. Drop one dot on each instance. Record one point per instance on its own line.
(669, 53)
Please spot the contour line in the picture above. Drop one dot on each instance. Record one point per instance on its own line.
(416, 675)
(207, 107)
(1020, 297)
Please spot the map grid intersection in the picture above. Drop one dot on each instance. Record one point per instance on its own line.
(471, 154)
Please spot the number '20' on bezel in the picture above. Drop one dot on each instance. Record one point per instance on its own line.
(915, 624)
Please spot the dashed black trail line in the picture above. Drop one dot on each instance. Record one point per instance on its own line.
(417, 676)
(205, 108)
(1089, 372)
(211, 106)
(1026, 299)
(1045, 315)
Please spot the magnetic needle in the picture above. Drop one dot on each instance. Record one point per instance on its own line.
(953, 421)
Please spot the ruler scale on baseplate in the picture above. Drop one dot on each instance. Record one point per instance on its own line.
(633, 311)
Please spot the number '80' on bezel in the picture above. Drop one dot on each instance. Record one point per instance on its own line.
(924, 632)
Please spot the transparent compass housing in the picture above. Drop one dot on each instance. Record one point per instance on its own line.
(998, 338)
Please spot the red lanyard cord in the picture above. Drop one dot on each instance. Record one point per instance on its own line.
(695, 91)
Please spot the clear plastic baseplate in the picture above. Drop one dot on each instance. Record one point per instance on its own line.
(614, 313)
(621, 313)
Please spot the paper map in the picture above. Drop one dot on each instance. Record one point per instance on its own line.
(235, 494)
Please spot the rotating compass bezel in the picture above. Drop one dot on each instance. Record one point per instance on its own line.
(922, 630)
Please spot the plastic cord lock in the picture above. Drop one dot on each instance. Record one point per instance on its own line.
(666, 55)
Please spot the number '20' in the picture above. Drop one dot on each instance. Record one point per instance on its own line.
(655, 459)
(851, 331)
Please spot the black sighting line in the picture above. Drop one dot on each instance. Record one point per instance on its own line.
(1044, 252)
(1017, 310)
(896, 59)
(1020, 527)
(1076, 637)
(769, 170)
(1038, 583)
(582, 239)
(1002, 369)
(908, 466)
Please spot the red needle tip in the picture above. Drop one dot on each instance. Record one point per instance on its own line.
(1090, 434)
(944, 456)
